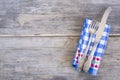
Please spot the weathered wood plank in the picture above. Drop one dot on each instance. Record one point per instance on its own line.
(52, 63)
(50, 42)
(53, 35)
(49, 58)
(53, 17)
(37, 42)
(52, 29)
(50, 24)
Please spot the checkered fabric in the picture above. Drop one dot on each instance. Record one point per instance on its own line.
(83, 41)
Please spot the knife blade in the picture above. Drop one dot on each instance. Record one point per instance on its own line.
(102, 24)
(99, 33)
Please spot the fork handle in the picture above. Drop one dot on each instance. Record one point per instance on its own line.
(88, 62)
(83, 58)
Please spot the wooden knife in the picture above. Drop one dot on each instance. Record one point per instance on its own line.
(99, 33)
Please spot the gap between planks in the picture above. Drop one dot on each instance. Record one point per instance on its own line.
(52, 35)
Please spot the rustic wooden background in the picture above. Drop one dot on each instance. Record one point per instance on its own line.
(38, 39)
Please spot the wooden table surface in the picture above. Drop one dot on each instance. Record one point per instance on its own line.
(38, 39)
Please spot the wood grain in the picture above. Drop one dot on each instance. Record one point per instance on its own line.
(49, 42)
(38, 39)
(51, 61)
(22, 17)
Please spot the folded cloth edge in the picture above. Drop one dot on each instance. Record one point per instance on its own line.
(74, 64)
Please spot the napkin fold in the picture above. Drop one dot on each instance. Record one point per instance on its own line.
(82, 44)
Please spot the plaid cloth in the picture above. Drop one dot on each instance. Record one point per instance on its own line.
(84, 38)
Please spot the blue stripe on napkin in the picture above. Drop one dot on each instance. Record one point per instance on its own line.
(83, 41)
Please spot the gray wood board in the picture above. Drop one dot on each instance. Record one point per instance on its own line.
(21, 17)
(50, 42)
(49, 58)
(49, 31)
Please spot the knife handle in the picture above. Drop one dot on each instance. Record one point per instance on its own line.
(83, 58)
(88, 62)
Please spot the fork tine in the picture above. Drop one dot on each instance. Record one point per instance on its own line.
(90, 25)
(98, 19)
(96, 25)
(97, 22)
(93, 23)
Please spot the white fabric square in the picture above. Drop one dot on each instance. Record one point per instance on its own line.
(102, 42)
(90, 48)
(86, 38)
(105, 33)
(83, 46)
(100, 50)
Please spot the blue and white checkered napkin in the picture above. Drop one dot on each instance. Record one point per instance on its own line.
(84, 38)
